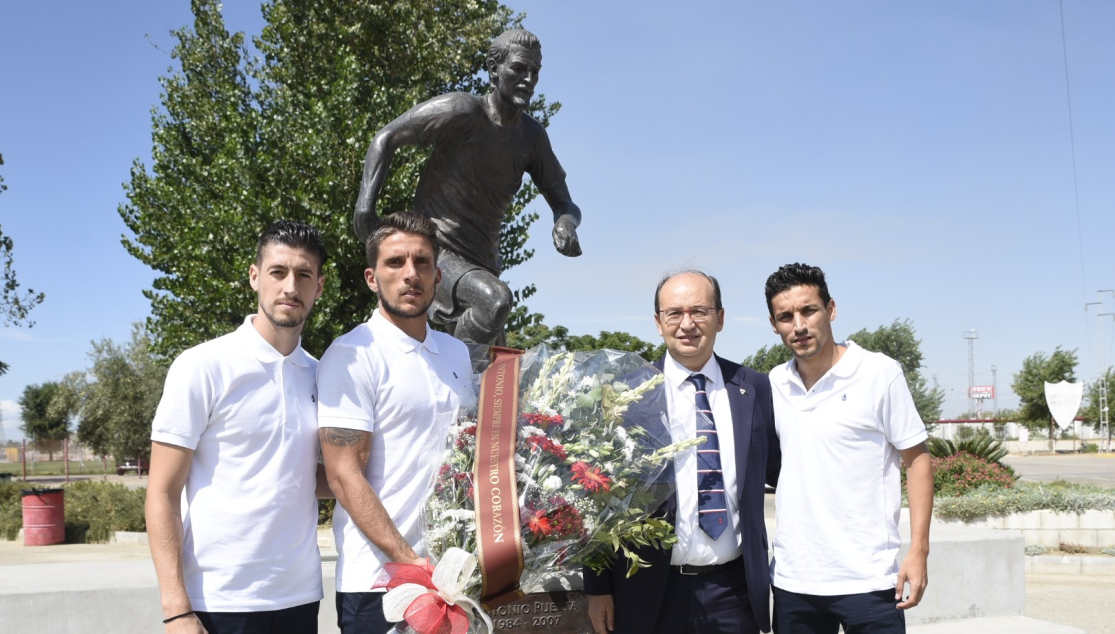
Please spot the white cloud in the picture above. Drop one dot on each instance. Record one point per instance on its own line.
(10, 421)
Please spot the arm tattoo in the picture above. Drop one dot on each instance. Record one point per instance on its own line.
(341, 437)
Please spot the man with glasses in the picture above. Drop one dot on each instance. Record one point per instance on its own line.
(714, 579)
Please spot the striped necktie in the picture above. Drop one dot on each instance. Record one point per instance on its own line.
(712, 508)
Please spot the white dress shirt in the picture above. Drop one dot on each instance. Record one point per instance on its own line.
(694, 546)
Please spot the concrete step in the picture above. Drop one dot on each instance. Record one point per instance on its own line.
(995, 625)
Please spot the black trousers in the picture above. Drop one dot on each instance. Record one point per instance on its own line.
(709, 603)
(866, 613)
(361, 613)
(301, 619)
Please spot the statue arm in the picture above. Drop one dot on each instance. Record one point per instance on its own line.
(567, 217)
(377, 161)
(424, 124)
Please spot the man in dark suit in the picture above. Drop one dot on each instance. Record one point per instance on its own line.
(715, 579)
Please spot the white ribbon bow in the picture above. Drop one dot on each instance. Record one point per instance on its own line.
(451, 577)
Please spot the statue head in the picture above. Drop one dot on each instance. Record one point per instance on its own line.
(514, 59)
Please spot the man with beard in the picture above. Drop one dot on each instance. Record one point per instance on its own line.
(481, 147)
(389, 390)
(236, 429)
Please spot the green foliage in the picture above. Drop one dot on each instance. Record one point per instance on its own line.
(11, 509)
(1024, 497)
(96, 510)
(898, 341)
(1110, 550)
(1029, 384)
(14, 306)
(558, 338)
(325, 512)
(1034, 550)
(244, 139)
(115, 399)
(1089, 447)
(46, 427)
(766, 358)
(1091, 410)
(980, 446)
(962, 472)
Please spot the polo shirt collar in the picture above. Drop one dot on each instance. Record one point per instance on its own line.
(254, 342)
(383, 329)
(848, 363)
(678, 374)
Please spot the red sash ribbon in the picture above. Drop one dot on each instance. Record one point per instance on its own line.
(496, 488)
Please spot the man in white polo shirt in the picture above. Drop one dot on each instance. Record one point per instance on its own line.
(389, 390)
(844, 418)
(237, 430)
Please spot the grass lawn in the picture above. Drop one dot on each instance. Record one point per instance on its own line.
(57, 467)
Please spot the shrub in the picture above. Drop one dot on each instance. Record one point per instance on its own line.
(1024, 497)
(1034, 550)
(1089, 447)
(325, 512)
(980, 445)
(1110, 550)
(1073, 549)
(961, 472)
(96, 510)
(11, 509)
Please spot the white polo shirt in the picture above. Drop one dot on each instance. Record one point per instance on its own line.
(405, 392)
(694, 546)
(250, 522)
(839, 496)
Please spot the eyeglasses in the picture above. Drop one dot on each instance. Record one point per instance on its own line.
(699, 314)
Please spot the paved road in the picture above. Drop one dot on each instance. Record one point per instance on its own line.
(1077, 600)
(1080, 468)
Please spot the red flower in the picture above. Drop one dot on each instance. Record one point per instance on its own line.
(591, 477)
(540, 525)
(567, 522)
(470, 430)
(547, 445)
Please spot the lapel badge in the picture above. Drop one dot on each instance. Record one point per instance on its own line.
(743, 390)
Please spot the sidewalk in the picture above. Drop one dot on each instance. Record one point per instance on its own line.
(1075, 603)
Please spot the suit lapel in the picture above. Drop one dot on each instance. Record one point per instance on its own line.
(741, 398)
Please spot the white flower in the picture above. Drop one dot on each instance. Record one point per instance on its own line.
(526, 431)
(588, 382)
(552, 483)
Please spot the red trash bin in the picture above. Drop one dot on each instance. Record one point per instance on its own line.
(44, 517)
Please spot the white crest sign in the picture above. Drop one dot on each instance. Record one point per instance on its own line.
(1064, 400)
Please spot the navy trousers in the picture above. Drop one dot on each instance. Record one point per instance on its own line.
(710, 603)
(301, 619)
(866, 613)
(361, 613)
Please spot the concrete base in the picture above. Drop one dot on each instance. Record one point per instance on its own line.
(996, 625)
(974, 573)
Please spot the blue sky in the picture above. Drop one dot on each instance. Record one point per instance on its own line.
(919, 152)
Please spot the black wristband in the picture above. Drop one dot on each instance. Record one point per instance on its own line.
(175, 618)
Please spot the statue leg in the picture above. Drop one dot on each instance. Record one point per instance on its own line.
(487, 301)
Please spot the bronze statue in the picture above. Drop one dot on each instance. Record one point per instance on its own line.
(481, 148)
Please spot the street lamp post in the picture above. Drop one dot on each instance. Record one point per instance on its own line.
(971, 336)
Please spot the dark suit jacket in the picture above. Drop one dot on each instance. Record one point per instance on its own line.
(758, 460)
